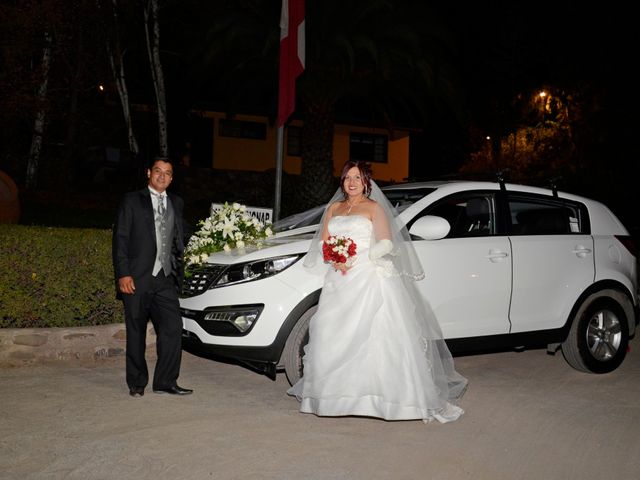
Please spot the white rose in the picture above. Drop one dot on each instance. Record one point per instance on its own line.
(204, 257)
(226, 247)
(268, 232)
(240, 244)
(235, 206)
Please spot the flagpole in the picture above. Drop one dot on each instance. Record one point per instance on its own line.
(290, 67)
(279, 160)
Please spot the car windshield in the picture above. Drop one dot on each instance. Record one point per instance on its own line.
(302, 219)
(399, 198)
(402, 198)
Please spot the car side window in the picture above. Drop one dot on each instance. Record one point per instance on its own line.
(538, 216)
(468, 214)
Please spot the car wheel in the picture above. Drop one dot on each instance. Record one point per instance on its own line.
(294, 348)
(598, 338)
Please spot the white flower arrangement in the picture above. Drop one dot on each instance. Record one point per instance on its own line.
(228, 228)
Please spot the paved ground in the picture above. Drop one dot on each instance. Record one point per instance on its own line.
(529, 416)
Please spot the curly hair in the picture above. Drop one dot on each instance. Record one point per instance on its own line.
(365, 175)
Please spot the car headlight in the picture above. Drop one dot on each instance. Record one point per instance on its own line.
(249, 271)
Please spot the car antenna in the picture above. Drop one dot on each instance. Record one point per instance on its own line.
(553, 184)
(500, 175)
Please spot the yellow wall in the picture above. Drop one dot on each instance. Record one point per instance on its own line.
(259, 155)
(397, 167)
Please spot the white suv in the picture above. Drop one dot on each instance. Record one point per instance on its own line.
(507, 266)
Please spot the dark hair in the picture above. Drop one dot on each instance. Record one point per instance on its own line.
(160, 159)
(365, 174)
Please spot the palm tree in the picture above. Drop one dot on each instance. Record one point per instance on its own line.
(386, 55)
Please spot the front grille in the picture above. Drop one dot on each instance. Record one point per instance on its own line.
(198, 279)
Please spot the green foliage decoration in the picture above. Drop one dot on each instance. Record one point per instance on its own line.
(56, 277)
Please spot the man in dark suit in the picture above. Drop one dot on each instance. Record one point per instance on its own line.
(148, 243)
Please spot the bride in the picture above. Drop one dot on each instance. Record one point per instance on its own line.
(375, 348)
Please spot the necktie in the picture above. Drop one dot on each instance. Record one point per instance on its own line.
(162, 257)
(161, 208)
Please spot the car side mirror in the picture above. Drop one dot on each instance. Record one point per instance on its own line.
(430, 227)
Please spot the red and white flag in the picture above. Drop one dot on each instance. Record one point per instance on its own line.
(291, 56)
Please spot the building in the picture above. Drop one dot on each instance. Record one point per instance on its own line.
(248, 142)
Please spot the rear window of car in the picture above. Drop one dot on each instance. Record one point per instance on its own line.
(543, 216)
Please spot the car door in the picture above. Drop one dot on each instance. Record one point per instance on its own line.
(553, 260)
(468, 273)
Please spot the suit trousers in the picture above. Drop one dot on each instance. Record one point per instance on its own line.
(155, 299)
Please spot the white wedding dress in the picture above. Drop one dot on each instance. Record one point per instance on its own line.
(367, 354)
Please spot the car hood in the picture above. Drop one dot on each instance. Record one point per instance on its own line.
(283, 243)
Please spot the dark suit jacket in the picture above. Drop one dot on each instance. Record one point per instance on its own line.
(134, 238)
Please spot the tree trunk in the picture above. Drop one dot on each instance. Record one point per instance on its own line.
(317, 183)
(153, 50)
(38, 127)
(116, 60)
(64, 171)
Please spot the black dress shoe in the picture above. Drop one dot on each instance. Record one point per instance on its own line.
(173, 390)
(136, 391)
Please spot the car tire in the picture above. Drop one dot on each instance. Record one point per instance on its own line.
(598, 337)
(294, 347)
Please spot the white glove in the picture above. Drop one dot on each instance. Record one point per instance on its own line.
(380, 249)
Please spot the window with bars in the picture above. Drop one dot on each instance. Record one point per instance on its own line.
(242, 129)
(294, 141)
(368, 147)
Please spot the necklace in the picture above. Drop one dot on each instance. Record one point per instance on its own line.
(351, 205)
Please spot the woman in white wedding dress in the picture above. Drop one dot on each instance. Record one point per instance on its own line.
(375, 349)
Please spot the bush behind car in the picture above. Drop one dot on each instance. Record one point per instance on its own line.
(56, 277)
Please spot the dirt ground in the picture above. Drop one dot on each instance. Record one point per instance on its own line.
(528, 416)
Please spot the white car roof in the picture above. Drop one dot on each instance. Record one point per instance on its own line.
(458, 185)
(603, 220)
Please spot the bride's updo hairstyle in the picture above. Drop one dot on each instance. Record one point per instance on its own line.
(365, 174)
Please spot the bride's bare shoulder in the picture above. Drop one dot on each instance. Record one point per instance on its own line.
(333, 207)
(370, 206)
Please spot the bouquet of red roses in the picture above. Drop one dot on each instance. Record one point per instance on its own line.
(339, 249)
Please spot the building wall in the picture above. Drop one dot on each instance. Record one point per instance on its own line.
(396, 169)
(231, 153)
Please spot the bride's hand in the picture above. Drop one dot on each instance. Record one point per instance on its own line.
(340, 266)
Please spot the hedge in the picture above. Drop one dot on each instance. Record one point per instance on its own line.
(56, 277)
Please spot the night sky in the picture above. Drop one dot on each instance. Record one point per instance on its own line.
(510, 48)
(499, 53)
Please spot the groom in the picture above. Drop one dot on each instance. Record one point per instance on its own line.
(147, 252)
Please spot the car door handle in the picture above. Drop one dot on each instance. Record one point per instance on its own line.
(581, 251)
(496, 255)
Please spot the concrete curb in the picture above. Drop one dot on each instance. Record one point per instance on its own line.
(31, 346)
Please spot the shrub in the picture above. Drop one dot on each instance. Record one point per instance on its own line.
(56, 277)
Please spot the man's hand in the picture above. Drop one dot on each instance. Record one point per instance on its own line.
(126, 285)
